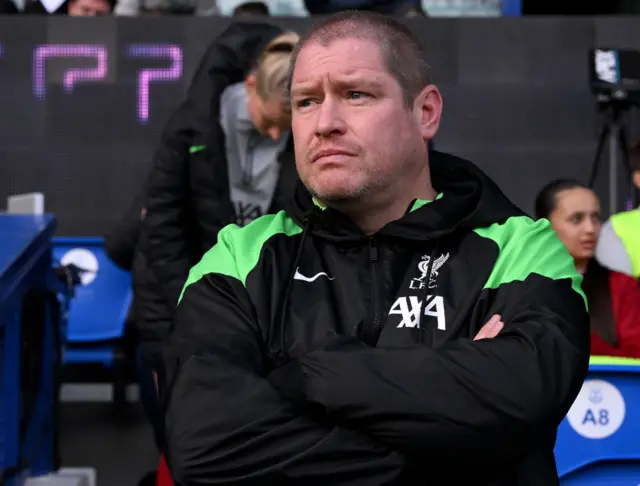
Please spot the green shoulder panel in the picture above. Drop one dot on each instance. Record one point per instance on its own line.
(238, 249)
(529, 247)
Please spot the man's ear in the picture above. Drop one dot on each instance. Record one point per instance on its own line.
(427, 108)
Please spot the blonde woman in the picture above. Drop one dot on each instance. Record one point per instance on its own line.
(225, 156)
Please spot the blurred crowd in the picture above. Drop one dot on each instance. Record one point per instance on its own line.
(88, 8)
(405, 8)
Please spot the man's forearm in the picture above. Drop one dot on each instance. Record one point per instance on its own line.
(226, 426)
(462, 400)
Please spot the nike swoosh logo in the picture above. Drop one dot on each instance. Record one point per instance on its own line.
(299, 276)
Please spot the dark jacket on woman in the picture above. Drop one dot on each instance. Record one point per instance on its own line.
(188, 195)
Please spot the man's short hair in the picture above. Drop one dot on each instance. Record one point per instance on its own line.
(402, 53)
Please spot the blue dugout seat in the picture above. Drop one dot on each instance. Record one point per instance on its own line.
(598, 442)
(98, 310)
(95, 318)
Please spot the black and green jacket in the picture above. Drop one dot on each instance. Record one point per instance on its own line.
(305, 352)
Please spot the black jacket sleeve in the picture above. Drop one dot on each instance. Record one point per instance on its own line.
(225, 424)
(153, 313)
(121, 242)
(165, 225)
(469, 403)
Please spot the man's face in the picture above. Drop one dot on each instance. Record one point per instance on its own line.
(88, 8)
(353, 133)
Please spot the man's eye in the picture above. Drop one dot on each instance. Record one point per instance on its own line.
(357, 95)
(303, 103)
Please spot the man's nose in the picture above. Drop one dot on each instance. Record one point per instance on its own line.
(330, 118)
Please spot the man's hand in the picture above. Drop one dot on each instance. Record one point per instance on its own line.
(491, 328)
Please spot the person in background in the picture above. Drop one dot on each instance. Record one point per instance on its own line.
(134, 8)
(226, 156)
(614, 297)
(73, 8)
(89, 8)
(619, 245)
(400, 8)
(251, 9)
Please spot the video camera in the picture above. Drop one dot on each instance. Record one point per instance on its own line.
(615, 81)
(615, 75)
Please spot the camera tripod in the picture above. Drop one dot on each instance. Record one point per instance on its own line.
(614, 132)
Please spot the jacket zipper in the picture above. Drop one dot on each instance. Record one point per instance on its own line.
(372, 331)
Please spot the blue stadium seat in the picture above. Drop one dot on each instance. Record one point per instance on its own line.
(598, 442)
(611, 473)
(98, 310)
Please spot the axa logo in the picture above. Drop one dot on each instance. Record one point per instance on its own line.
(423, 267)
(411, 309)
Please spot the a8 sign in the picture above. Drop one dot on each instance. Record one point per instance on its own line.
(598, 411)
